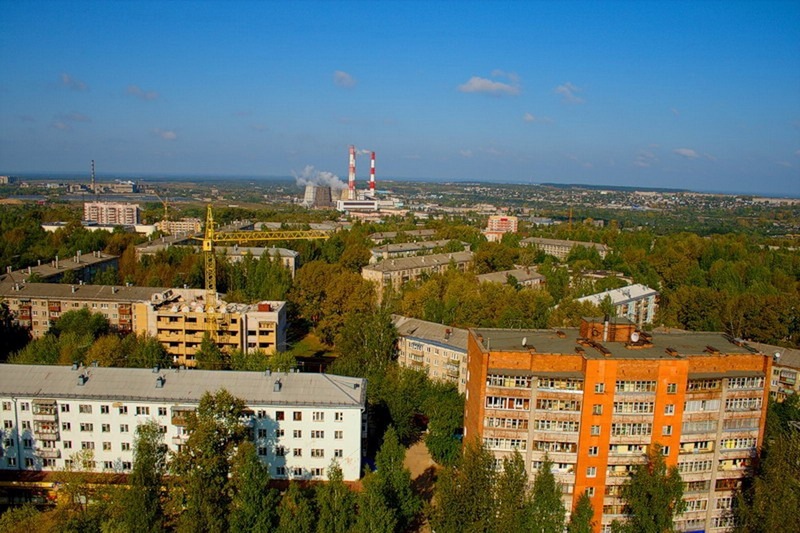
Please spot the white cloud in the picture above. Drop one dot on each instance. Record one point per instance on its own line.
(61, 125)
(529, 117)
(141, 94)
(477, 84)
(167, 135)
(513, 77)
(688, 153)
(645, 159)
(73, 83)
(569, 92)
(343, 79)
(465, 153)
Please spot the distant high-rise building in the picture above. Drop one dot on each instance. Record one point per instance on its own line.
(111, 213)
(499, 225)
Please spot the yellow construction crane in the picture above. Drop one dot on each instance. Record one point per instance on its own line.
(166, 205)
(211, 237)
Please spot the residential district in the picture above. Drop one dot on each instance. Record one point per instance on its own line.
(592, 331)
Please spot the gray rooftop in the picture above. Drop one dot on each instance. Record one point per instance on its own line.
(431, 331)
(115, 293)
(550, 342)
(521, 274)
(404, 263)
(132, 384)
(789, 357)
(561, 242)
(412, 246)
(46, 270)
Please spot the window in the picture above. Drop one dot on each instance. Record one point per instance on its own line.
(665, 450)
(666, 431)
(317, 472)
(105, 428)
(590, 491)
(669, 409)
(8, 424)
(85, 426)
(540, 424)
(66, 426)
(595, 430)
(496, 443)
(11, 461)
(593, 450)
(631, 429)
(24, 406)
(298, 434)
(85, 409)
(67, 444)
(337, 453)
(597, 409)
(633, 408)
(318, 416)
(87, 445)
(672, 388)
(279, 415)
(636, 386)
(262, 433)
(162, 411)
(64, 407)
(123, 410)
(126, 446)
(6, 406)
(103, 409)
(142, 410)
(280, 471)
(262, 450)
(297, 416)
(591, 471)
(280, 451)
(50, 463)
(108, 465)
(599, 388)
(297, 452)
(743, 404)
(27, 443)
(162, 429)
(339, 434)
(123, 428)
(127, 465)
(261, 414)
(317, 452)
(338, 416)
(279, 433)
(317, 434)
(26, 424)
(106, 446)
(746, 383)
(297, 471)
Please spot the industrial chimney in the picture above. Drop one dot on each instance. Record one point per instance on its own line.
(351, 181)
(372, 174)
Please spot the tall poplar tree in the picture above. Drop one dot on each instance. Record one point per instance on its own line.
(582, 516)
(511, 496)
(296, 512)
(253, 505)
(142, 509)
(336, 503)
(547, 509)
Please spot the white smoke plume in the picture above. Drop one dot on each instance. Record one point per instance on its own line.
(363, 152)
(312, 176)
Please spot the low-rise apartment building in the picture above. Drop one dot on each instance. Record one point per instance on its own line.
(638, 303)
(81, 267)
(299, 422)
(184, 225)
(176, 317)
(525, 277)
(597, 399)
(785, 369)
(438, 350)
(407, 249)
(395, 272)
(560, 248)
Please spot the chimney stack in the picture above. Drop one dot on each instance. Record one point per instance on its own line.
(372, 173)
(351, 180)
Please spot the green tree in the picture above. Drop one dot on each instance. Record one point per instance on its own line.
(142, 501)
(444, 407)
(14, 336)
(653, 496)
(209, 356)
(395, 480)
(107, 351)
(253, 505)
(204, 463)
(366, 343)
(374, 513)
(336, 503)
(547, 510)
(296, 512)
(145, 351)
(511, 496)
(23, 519)
(81, 322)
(581, 520)
(464, 493)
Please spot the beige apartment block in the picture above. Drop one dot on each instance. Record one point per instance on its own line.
(561, 248)
(395, 272)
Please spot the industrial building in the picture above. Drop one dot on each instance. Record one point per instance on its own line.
(317, 196)
(299, 423)
(111, 213)
(176, 317)
(395, 272)
(440, 351)
(595, 400)
(560, 248)
(637, 302)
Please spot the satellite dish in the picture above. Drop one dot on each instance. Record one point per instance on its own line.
(524, 341)
(635, 336)
(777, 355)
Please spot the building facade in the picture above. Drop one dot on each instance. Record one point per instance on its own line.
(184, 225)
(408, 249)
(113, 213)
(498, 225)
(595, 405)
(525, 277)
(638, 303)
(439, 351)
(785, 369)
(299, 422)
(560, 248)
(395, 272)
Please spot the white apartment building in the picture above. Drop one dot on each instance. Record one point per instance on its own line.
(637, 302)
(114, 213)
(299, 422)
(560, 248)
(440, 351)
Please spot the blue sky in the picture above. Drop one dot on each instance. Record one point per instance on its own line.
(702, 95)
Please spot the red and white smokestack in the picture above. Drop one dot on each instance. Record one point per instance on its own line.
(372, 173)
(351, 181)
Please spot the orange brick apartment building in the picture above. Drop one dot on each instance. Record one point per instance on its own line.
(595, 403)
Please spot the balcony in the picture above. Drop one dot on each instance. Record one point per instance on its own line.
(48, 453)
(179, 440)
(46, 436)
